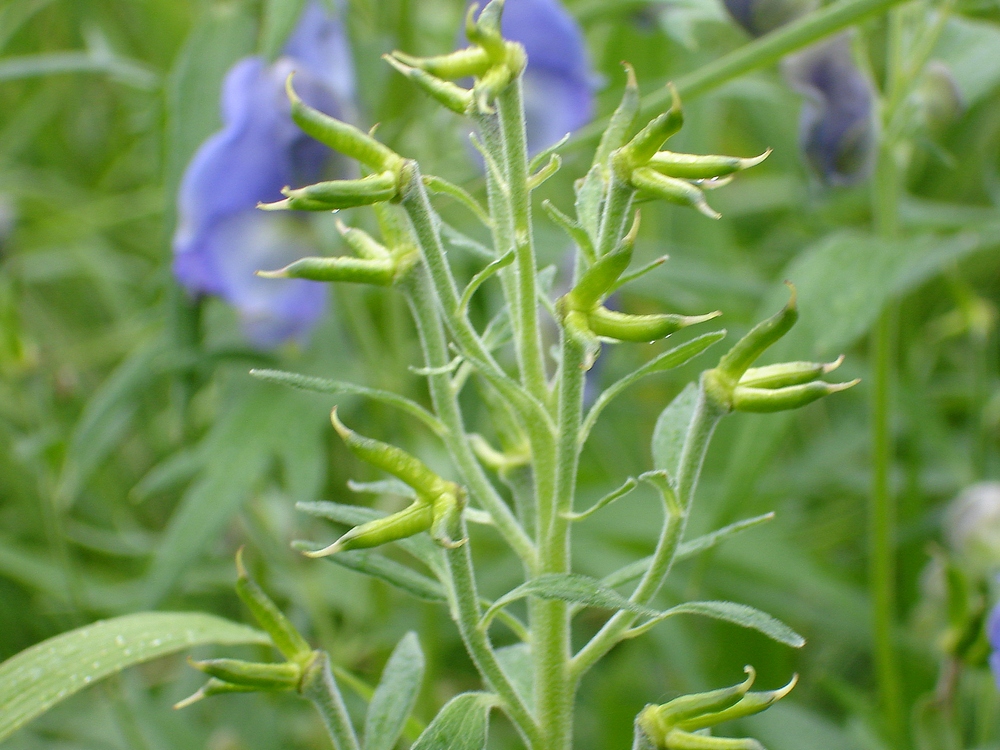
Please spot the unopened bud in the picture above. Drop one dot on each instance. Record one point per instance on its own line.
(284, 635)
(340, 136)
(337, 194)
(284, 676)
(622, 122)
(787, 373)
(625, 327)
(701, 167)
(451, 95)
(647, 180)
(647, 141)
(356, 270)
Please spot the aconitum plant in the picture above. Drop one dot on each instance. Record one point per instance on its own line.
(539, 415)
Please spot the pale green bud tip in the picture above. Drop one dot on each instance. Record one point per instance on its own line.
(331, 549)
(282, 676)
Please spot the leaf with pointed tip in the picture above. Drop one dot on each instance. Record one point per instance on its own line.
(463, 724)
(323, 385)
(395, 695)
(672, 428)
(379, 566)
(568, 587)
(738, 614)
(518, 666)
(34, 680)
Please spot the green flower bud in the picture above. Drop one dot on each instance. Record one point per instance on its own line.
(688, 707)
(340, 136)
(625, 327)
(337, 194)
(747, 350)
(485, 30)
(782, 399)
(471, 61)
(652, 183)
(577, 327)
(284, 676)
(699, 167)
(621, 124)
(357, 270)
(394, 460)
(678, 739)
(597, 281)
(638, 151)
(452, 96)
(210, 688)
(363, 243)
(284, 635)
(787, 373)
(416, 517)
(748, 705)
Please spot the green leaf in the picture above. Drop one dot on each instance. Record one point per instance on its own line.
(323, 385)
(671, 430)
(635, 570)
(34, 680)
(517, 664)
(463, 724)
(668, 360)
(567, 587)
(379, 566)
(395, 695)
(970, 49)
(738, 614)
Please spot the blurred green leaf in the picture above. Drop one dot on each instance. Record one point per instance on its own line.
(279, 20)
(462, 724)
(738, 614)
(36, 679)
(395, 695)
(379, 566)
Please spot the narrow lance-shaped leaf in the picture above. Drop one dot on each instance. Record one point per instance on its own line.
(34, 680)
(395, 695)
(738, 614)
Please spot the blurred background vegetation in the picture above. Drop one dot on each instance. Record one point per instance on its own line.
(136, 454)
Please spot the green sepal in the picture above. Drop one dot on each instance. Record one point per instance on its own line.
(787, 373)
(362, 243)
(701, 167)
(640, 328)
(451, 95)
(678, 739)
(210, 688)
(657, 721)
(621, 124)
(340, 136)
(762, 336)
(596, 281)
(647, 141)
(284, 676)
(653, 184)
(470, 61)
(484, 31)
(342, 268)
(748, 705)
(446, 523)
(414, 518)
(396, 461)
(336, 194)
(763, 400)
(284, 635)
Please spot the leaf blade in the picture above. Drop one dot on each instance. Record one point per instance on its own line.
(463, 724)
(395, 695)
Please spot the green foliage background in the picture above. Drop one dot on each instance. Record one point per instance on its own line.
(136, 454)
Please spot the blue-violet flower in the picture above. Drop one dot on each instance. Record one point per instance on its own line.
(221, 237)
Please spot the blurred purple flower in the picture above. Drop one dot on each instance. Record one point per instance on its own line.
(559, 81)
(221, 237)
(758, 17)
(837, 129)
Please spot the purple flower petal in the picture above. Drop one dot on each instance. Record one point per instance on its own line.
(258, 152)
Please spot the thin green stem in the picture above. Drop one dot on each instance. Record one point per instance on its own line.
(320, 688)
(703, 423)
(511, 110)
(420, 297)
(464, 601)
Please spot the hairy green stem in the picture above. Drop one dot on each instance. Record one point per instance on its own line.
(320, 688)
(465, 611)
(511, 110)
(420, 297)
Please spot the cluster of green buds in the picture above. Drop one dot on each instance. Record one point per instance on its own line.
(437, 508)
(237, 676)
(681, 723)
(373, 262)
(490, 60)
(588, 320)
(736, 386)
(673, 177)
